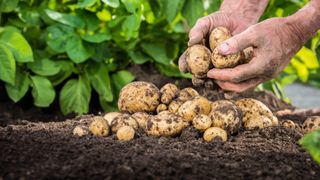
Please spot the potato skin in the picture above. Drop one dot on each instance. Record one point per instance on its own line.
(198, 60)
(110, 116)
(161, 107)
(99, 126)
(192, 108)
(226, 115)
(139, 96)
(123, 120)
(217, 36)
(141, 118)
(125, 133)
(288, 124)
(174, 106)
(187, 94)
(259, 122)
(80, 130)
(215, 133)
(168, 93)
(229, 61)
(202, 122)
(310, 124)
(165, 124)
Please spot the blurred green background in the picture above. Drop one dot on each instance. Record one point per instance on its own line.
(84, 46)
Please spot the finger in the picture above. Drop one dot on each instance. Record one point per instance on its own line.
(240, 87)
(199, 31)
(239, 73)
(183, 67)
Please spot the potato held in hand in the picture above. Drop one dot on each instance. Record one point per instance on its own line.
(198, 60)
(217, 36)
(139, 97)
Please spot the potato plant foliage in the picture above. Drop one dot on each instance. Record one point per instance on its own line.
(311, 142)
(66, 49)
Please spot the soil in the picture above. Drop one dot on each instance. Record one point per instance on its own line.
(39, 144)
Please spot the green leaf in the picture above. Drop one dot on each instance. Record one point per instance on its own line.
(77, 50)
(308, 57)
(193, 10)
(171, 70)
(157, 50)
(42, 91)
(75, 96)
(44, 67)
(18, 45)
(30, 16)
(172, 8)
(138, 57)
(107, 106)
(112, 3)
(131, 5)
(86, 3)
(7, 65)
(66, 68)
(20, 88)
(8, 5)
(100, 81)
(67, 19)
(121, 78)
(301, 68)
(311, 142)
(96, 38)
(57, 37)
(130, 26)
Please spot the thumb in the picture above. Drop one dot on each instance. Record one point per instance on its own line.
(237, 43)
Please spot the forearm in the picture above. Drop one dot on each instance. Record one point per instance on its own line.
(250, 10)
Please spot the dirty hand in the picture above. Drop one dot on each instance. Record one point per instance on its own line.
(235, 15)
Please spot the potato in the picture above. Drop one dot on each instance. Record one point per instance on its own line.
(217, 36)
(161, 107)
(165, 124)
(288, 124)
(222, 61)
(110, 116)
(197, 81)
(259, 122)
(275, 121)
(175, 105)
(202, 122)
(192, 108)
(80, 130)
(123, 120)
(187, 94)
(138, 97)
(226, 115)
(215, 133)
(141, 118)
(198, 60)
(310, 124)
(99, 126)
(125, 133)
(168, 93)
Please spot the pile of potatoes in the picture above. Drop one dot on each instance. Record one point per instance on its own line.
(169, 110)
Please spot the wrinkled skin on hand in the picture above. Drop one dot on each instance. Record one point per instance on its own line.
(275, 42)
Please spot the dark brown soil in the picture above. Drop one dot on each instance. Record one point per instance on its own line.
(37, 144)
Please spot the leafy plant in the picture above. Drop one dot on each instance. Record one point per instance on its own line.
(311, 142)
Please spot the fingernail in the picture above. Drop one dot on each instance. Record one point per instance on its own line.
(224, 48)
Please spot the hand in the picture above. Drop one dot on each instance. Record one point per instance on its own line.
(275, 42)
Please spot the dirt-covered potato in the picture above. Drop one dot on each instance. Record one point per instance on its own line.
(139, 96)
(99, 126)
(187, 94)
(161, 107)
(288, 124)
(275, 121)
(215, 133)
(221, 61)
(226, 115)
(141, 118)
(258, 122)
(80, 130)
(197, 81)
(168, 93)
(110, 116)
(123, 120)
(125, 133)
(198, 60)
(175, 105)
(165, 124)
(202, 122)
(192, 108)
(217, 36)
(310, 124)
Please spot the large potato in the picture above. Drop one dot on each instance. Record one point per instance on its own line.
(192, 108)
(198, 60)
(99, 126)
(123, 120)
(168, 93)
(229, 61)
(217, 36)
(310, 124)
(139, 96)
(110, 116)
(202, 122)
(226, 115)
(165, 124)
(215, 133)
(141, 118)
(187, 94)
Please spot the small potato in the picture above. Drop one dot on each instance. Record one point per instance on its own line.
(168, 93)
(310, 124)
(99, 126)
(259, 122)
(202, 122)
(139, 97)
(110, 116)
(161, 107)
(198, 60)
(197, 81)
(165, 124)
(123, 120)
(141, 118)
(275, 121)
(288, 124)
(226, 115)
(192, 108)
(187, 94)
(217, 36)
(220, 61)
(80, 130)
(215, 133)
(174, 106)
(125, 133)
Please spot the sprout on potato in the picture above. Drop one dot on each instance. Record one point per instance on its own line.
(310, 124)
(99, 126)
(215, 133)
(192, 108)
(202, 122)
(123, 120)
(168, 93)
(198, 60)
(125, 133)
